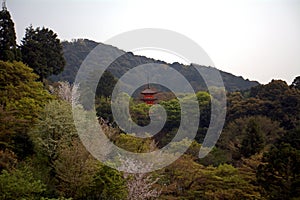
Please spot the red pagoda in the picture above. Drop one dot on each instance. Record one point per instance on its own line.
(148, 95)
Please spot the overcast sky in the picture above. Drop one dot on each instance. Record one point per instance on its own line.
(256, 39)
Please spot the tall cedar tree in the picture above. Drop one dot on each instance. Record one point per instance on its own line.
(42, 51)
(8, 45)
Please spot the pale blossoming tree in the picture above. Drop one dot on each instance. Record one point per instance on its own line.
(140, 185)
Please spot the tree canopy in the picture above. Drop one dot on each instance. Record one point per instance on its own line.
(21, 100)
(20, 91)
(41, 50)
(8, 45)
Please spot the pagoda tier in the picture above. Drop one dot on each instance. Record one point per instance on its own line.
(148, 96)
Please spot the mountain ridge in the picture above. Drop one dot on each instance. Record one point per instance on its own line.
(76, 51)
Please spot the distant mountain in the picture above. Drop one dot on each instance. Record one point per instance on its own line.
(76, 51)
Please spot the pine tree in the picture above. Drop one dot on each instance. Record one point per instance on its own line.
(42, 51)
(8, 46)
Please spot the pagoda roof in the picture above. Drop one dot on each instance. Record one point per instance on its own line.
(149, 91)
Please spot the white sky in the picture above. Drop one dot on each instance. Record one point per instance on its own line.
(257, 39)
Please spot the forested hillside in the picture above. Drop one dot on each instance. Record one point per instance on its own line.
(76, 51)
(43, 157)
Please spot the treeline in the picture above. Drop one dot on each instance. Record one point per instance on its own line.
(76, 51)
(40, 48)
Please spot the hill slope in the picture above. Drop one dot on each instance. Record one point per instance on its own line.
(76, 51)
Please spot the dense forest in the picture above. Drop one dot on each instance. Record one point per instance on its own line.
(42, 157)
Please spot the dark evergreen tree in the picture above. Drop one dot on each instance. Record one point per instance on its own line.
(42, 51)
(253, 141)
(104, 109)
(280, 175)
(8, 45)
(106, 85)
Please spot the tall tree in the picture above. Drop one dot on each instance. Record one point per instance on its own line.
(19, 90)
(253, 141)
(106, 85)
(42, 51)
(8, 45)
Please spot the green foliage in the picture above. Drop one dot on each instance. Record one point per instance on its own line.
(106, 85)
(74, 52)
(63, 167)
(203, 98)
(246, 107)
(108, 183)
(8, 46)
(253, 142)
(275, 100)
(104, 88)
(279, 174)
(8, 160)
(9, 127)
(140, 113)
(22, 98)
(134, 144)
(103, 109)
(42, 51)
(269, 91)
(292, 138)
(173, 110)
(20, 184)
(226, 182)
(234, 98)
(74, 169)
(185, 179)
(54, 127)
(68, 168)
(216, 157)
(181, 179)
(53, 130)
(239, 131)
(193, 146)
(20, 91)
